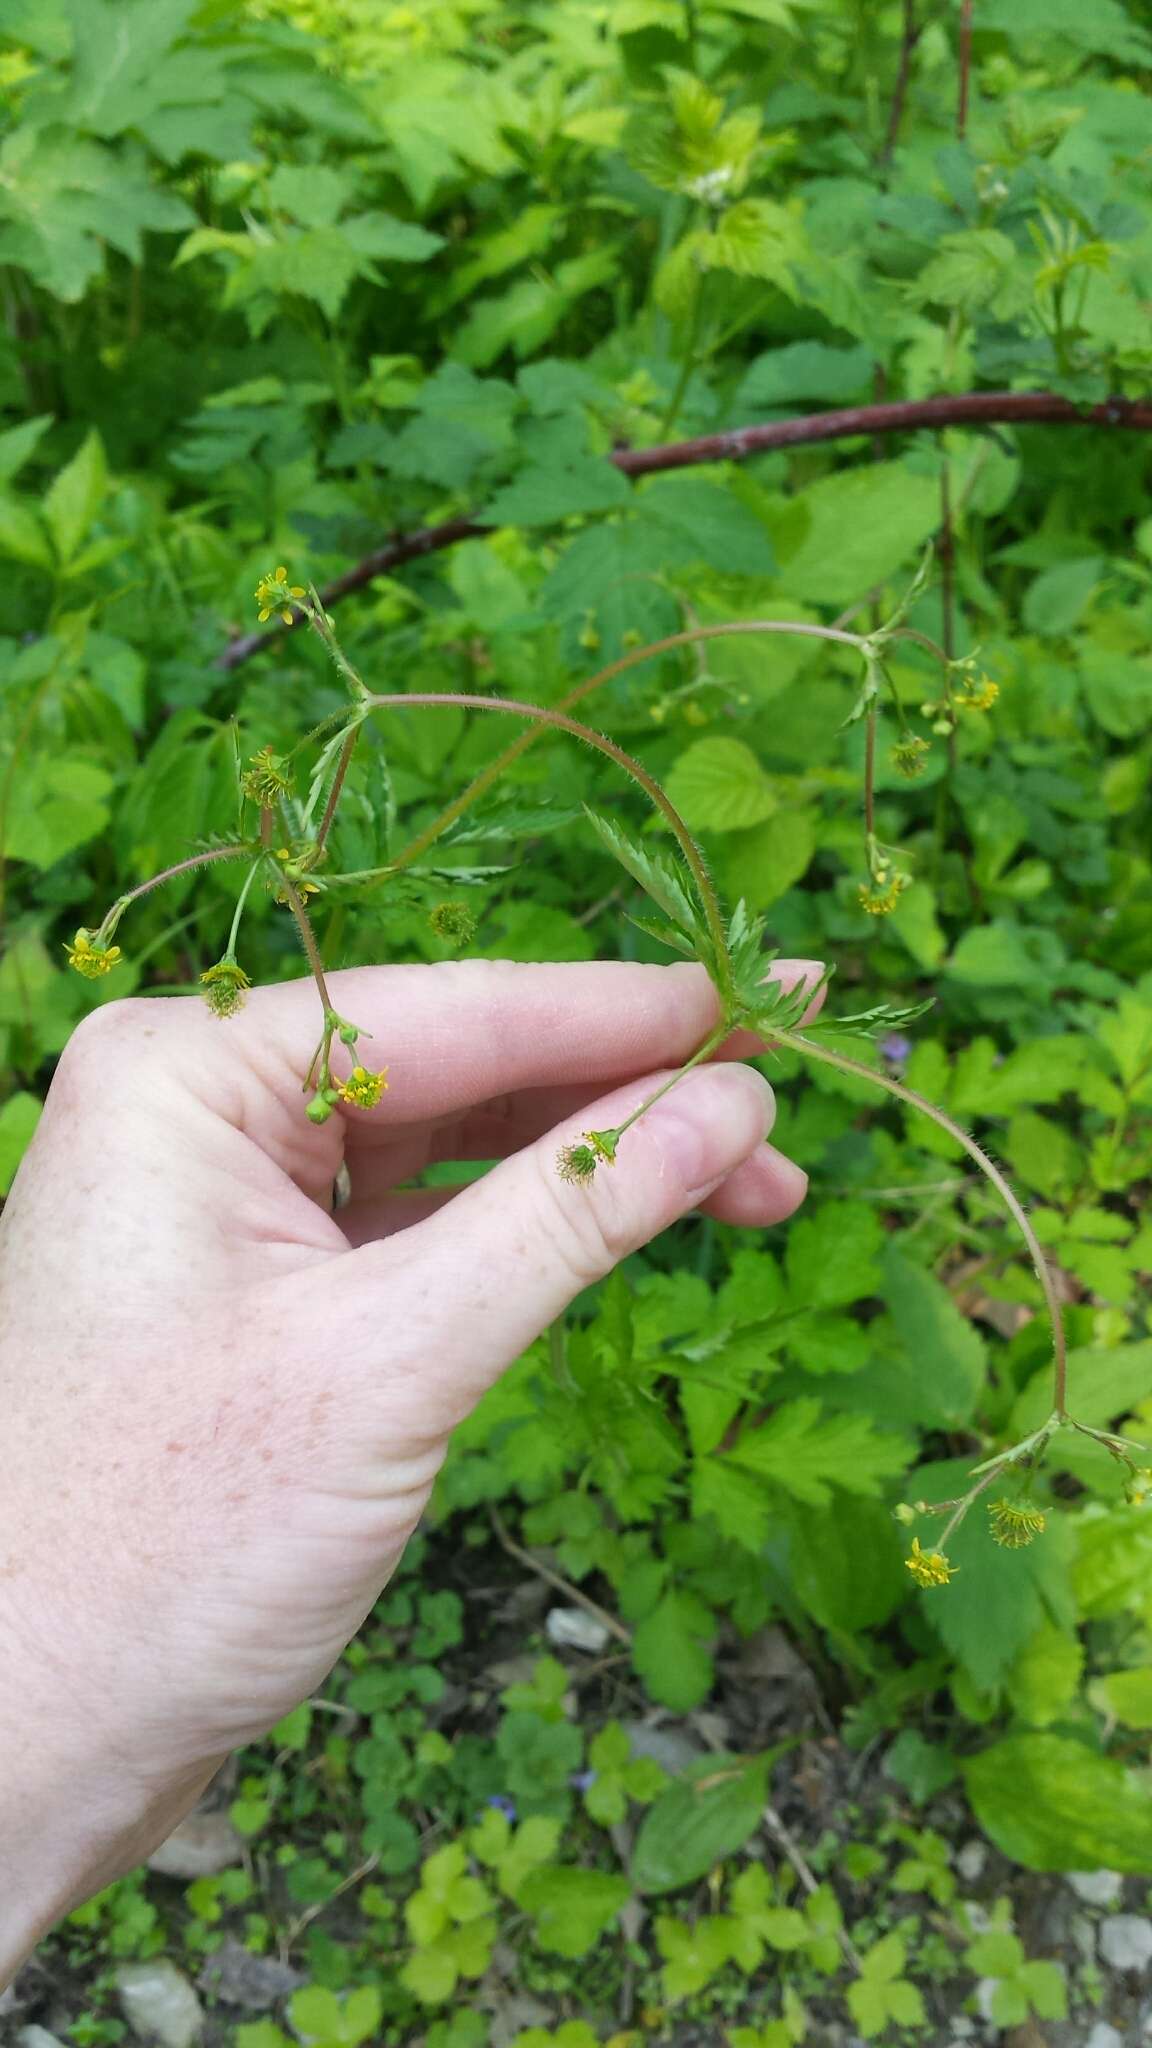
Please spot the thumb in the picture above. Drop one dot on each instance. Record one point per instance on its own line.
(507, 1255)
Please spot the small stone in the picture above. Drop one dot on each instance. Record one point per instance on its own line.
(971, 1859)
(1104, 2036)
(672, 1748)
(1096, 1887)
(1126, 1942)
(573, 1628)
(37, 2037)
(201, 1846)
(237, 1977)
(157, 2000)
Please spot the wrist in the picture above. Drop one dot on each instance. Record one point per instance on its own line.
(71, 1821)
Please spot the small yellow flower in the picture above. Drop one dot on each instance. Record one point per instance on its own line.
(363, 1088)
(1015, 1524)
(267, 778)
(929, 1567)
(1138, 1491)
(275, 594)
(90, 957)
(880, 896)
(979, 693)
(225, 987)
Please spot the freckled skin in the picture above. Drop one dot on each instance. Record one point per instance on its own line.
(259, 1397)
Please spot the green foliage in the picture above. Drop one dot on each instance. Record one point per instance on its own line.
(282, 280)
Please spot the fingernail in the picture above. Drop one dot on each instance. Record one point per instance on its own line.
(711, 1122)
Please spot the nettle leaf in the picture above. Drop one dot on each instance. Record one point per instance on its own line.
(720, 786)
(976, 269)
(710, 523)
(542, 494)
(571, 1908)
(806, 1451)
(862, 526)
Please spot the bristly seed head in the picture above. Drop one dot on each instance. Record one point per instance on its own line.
(453, 922)
(267, 778)
(909, 755)
(1015, 1523)
(225, 986)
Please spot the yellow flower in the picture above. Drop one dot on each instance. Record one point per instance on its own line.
(979, 693)
(363, 1088)
(929, 1567)
(275, 594)
(225, 986)
(90, 957)
(1015, 1524)
(880, 896)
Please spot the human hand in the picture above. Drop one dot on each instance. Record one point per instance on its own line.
(224, 1407)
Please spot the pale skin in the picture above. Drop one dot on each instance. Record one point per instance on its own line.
(223, 1407)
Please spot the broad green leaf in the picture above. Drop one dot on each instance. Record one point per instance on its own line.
(540, 495)
(22, 535)
(860, 527)
(571, 1908)
(720, 786)
(75, 497)
(847, 1566)
(669, 1650)
(19, 443)
(1126, 1696)
(940, 1342)
(1045, 1677)
(18, 1120)
(705, 1816)
(54, 807)
(710, 522)
(998, 1599)
(765, 862)
(1103, 1386)
(1053, 1804)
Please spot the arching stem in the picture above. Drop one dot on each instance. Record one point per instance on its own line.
(560, 722)
(846, 1065)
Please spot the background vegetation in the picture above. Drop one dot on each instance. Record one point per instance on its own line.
(282, 280)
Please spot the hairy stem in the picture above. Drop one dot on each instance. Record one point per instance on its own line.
(988, 1168)
(346, 753)
(241, 900)
(483, 782)
(307, 940)
(512, 707)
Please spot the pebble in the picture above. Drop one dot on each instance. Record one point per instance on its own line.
(1096, 1887)
(237, 1977)
(201, 1846)
(157, 1999)
(672, 1747)
(971, 1859)
(573, 1628)
(1104, 2036)
(1126, 1942)
(37, 2037)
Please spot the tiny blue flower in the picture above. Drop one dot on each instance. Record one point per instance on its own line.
(895, 1048)
(503, 1804)
(580, 1780)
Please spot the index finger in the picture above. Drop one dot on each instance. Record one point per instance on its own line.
(454, 1035)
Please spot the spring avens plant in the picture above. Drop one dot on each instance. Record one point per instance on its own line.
(283, 842)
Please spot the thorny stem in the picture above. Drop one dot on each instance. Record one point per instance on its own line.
(987, 1167)
(557, 719)
(691, 634)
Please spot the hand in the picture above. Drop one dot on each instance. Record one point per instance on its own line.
(224, 1406)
